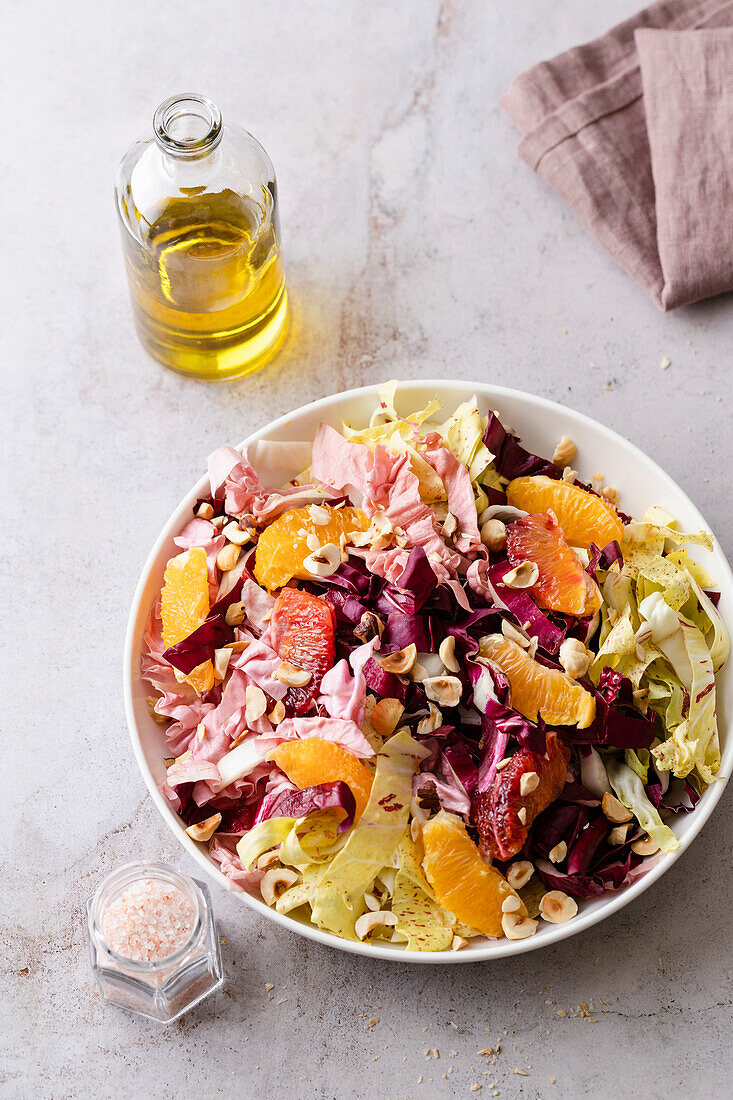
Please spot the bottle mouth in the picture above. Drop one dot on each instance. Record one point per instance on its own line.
(187, 126)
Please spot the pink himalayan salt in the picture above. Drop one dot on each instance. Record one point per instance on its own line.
(150, 920)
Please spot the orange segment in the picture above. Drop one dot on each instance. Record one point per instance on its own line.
(184, 604)
(539, 690)
(313, 760)
(563, 583)
(461, 880)
(283, 546)
(584, 518)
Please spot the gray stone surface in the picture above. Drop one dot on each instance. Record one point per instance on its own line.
(417, 245)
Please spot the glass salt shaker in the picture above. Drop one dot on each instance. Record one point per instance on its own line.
(152, 940)
(198, 208)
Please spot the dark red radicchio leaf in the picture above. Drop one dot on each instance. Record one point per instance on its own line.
(510, 458)
(603, 559)
(291, 803)
(539, 625)
(618, 722)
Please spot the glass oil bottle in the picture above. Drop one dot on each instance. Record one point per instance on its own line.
(198, 209)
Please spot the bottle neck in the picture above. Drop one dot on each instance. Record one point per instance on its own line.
(187, 127)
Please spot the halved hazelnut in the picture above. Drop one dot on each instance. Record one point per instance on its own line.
(369, 626)
(447, 654)
(319, 514)
(222, 657)
(228, 556)
(292, 676)
(433, 721)
(450, 525)
(443, 690)
(268, 858)
(511, 904)
(557, 907)
(236, 614)
(255, 703)
(528, 782)
(615, 810)
(618, 834)
(574, 658)
(275, 882)
(204, 830)
(386, 716)
(367, 922)
(523, 575)
(513, 634)
(564, 452)
(645, 846)
(204, 510)
(277, 714)
(234, 533)
(558, 853)
(519, 873)
(517, 927)
(399, 662)
(324, 561)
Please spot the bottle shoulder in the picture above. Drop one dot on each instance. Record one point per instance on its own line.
(148, 179)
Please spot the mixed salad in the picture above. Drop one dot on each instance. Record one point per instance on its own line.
(436, 687)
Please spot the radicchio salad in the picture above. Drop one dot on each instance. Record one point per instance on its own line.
(436, 687)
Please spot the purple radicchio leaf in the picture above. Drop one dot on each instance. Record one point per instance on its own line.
(213, 633)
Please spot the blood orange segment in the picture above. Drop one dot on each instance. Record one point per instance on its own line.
(496, 812)
(584, 518)
(184, 604)
(302, 632)
(539, 690)
(313, 760)
(563, 583)
(283, 546)
(461, 880)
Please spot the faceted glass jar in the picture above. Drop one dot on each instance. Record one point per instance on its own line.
(162, 989)
(198, 210)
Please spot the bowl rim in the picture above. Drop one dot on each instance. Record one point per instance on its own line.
(484, 950)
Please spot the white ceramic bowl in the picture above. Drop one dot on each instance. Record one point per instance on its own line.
(540, 423)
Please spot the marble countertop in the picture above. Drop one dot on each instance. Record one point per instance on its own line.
(417, 245)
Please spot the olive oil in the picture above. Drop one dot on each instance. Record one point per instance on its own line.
(208, 285)
(197, 202)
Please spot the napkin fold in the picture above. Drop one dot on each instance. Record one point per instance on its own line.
(634, 130)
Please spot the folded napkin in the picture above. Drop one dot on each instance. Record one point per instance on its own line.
(635, 132)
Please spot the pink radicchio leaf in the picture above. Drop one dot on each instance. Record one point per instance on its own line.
(340, 731)
(223, 850)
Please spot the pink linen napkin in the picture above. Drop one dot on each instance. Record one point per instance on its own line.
(635, 131)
